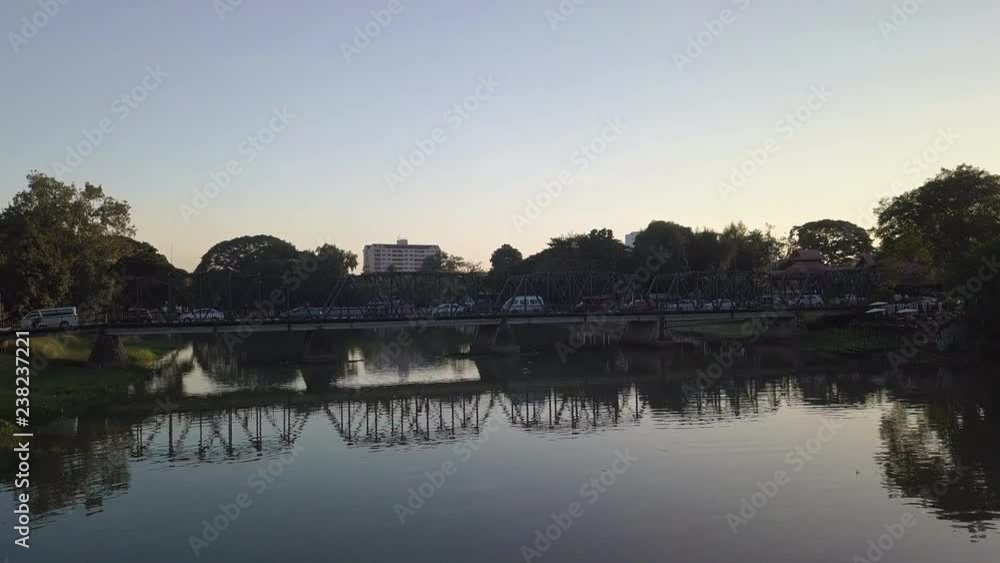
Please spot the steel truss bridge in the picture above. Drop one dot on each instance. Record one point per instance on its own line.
(396, 299)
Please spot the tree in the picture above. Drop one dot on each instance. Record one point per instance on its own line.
(948, 231)
(596, 251)
(257, 254)
(147, 278)
(736, 247)
(314, 273)
(983, 307)
(504, 260)
(448, 263)
(745, 249)
(841, 242)
(142, 259)
(705, 251)
(60, 242)
(951, 213)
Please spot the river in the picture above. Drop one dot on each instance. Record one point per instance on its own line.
(425, 454)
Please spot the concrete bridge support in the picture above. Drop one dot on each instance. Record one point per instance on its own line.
(108, 351)
(646, 333)
(495, 340)
(318, 348)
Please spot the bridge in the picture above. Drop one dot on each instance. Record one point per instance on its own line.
(643, 309)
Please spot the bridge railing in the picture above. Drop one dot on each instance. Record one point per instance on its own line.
(428, 295)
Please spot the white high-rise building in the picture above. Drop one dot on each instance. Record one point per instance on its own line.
(630, 239)
(399, 257)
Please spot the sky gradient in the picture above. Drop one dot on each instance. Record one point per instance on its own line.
(926, 88)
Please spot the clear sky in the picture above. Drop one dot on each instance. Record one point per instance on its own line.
(556, 81)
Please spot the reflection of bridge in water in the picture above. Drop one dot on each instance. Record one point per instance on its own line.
(95, 456)
(237, 432)
(245, 426)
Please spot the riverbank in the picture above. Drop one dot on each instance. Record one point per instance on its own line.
(67, 384)
(833, 342)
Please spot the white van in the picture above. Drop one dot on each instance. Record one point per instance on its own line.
(524, 304)
(61, 317)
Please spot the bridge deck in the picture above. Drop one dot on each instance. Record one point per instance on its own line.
(672, 319)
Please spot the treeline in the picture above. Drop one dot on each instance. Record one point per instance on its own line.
(64, 245)
(60, 244)
(943, 237)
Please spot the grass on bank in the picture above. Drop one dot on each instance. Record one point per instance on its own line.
(67, 384)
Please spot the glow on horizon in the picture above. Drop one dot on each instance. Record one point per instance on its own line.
(895, 93)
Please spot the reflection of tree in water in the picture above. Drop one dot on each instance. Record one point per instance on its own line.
(93, 465)
(402, 349)
(942, 451)
(169, 376)
(223, 366)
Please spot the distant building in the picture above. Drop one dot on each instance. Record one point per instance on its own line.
(630, 239)
(399, 257)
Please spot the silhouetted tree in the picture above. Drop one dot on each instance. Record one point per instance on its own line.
(248, 254)
(59, 242)
(841, 242)
(449, 263)
(504, 260)
(943, 219)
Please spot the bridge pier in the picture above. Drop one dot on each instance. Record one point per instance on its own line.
(495, 340)
(313, 349)
(108, 351)
(646, 333)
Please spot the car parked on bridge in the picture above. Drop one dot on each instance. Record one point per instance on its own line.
(60, 317)
(599, 304)
(810, 301)
(524, 304)
(449, 310)
(484, 304)
(303, 313)
(771, 302)
(137, 316)
(684, 305)
(846, 300)
(719, 305)
(389, 308)
(202, 316)
(639, 306)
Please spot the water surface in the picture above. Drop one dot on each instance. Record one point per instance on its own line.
(430, 456)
